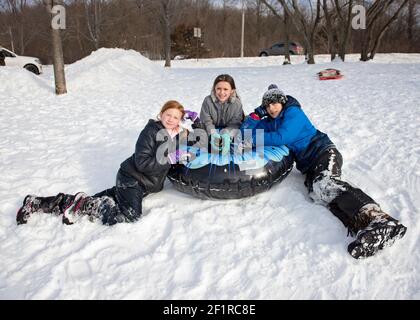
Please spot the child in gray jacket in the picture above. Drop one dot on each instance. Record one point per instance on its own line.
(221, 112)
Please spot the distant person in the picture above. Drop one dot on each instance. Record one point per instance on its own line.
(222, 112)
(285, 123)
(141, 174)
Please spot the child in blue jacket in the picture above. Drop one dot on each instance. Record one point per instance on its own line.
(284, 123)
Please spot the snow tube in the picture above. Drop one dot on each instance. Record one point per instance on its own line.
(232, 176)
(330, 74)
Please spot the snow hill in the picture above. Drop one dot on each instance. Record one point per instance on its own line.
(277, 245)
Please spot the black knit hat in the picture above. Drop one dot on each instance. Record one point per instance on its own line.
(273, 95)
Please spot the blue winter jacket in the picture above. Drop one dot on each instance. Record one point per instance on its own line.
(293, 129)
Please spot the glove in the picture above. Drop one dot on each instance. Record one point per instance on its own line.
(245, 145)
(192, 115)
(261, 112)
(225, 143)
(216, 141)
(179, 156)
(220, 142)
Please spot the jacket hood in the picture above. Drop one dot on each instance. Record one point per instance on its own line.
(291, 102)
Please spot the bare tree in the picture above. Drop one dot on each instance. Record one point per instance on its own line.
(140, 25)
(16, 28)
(5, 26)
(166, 22)
(305, 23)
(57, 49)
(258, 20)
(379, 18)
(165, 11)
(330, 30)
(94, 19)
(338, 25)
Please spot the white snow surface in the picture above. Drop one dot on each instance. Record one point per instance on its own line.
(276, 245)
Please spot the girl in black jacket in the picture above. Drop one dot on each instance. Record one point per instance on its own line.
(141, 174)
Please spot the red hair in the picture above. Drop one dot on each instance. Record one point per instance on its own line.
(172, 104)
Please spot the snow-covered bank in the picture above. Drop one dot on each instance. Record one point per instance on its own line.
(277, 245)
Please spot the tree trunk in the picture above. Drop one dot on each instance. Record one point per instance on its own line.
(57, 49)
(330, 31)
(21, 39)
(167, 32)
(287, 38)
(364, 48)
(94, 22)
(345, 35)
(311, 55)
(366, 40)
(308, 29)
(12, 45)
(258, 26)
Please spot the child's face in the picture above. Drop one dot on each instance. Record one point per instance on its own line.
(171, 118)
(223, 91)
(274, 109)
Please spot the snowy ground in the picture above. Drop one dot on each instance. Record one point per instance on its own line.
(277, 245)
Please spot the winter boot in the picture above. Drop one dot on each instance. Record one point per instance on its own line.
(30, 205)
(33, 204)
(381, 231)
(81, 205)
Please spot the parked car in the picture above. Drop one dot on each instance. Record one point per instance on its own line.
(31, 64)
(181, 57)
(280, 49)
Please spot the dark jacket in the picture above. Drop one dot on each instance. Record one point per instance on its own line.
(149, 164)
(293, 129)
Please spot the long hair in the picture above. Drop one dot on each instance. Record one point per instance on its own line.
(224, 77)
(228, 79)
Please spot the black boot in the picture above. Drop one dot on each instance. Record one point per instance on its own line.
(81, 205)
(33, 204)
(377, 230)
(30, 205)
(95, 208)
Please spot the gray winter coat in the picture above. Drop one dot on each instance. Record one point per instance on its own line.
(227, 115)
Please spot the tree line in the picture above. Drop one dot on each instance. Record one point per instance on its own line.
(162, 29)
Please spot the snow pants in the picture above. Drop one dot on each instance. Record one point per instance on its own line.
(128, 194)
(326, 187)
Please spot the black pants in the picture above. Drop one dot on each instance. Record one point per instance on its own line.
(325, 186)
(128, 194)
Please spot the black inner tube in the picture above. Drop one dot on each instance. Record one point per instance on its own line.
(229, 181)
